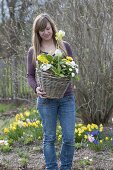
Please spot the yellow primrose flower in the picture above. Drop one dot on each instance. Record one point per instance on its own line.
(106, 138)
(69, 58)
(67, 61)
(6, 130)
(101, 141)
(42, 58)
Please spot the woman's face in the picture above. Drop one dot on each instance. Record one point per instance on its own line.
(47, 33)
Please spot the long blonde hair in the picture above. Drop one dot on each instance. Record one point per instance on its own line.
(40, 24)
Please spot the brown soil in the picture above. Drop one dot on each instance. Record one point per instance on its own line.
(12, 161)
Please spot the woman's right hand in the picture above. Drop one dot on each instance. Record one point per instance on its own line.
(40, 92)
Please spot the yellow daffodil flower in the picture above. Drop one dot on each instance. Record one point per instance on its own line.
(59, 35)
(27, 113)
(6, 130)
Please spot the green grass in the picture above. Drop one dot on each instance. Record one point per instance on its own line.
(6, 107)
(5, 120)
(5, 123)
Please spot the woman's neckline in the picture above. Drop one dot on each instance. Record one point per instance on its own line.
(47, 52)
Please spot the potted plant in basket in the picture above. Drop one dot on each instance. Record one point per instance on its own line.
(55, 72)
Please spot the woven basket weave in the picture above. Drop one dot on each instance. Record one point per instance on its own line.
(54, 87)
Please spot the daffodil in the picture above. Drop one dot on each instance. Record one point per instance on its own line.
(27, 113)
(6, 130)
(59, 35)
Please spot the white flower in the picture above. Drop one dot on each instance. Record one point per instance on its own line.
(58, 52)
(91, 138)
(76, 69)
(3, 142)
(86, 157)
(73, 74)
(45, 67)
(27, 120)
(61, 33)
(70, 69)
(20, 123)
(64, 66)
(72, 63)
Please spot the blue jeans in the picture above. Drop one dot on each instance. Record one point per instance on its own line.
(49, 110)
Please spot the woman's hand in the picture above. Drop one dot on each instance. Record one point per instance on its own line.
(40, 92)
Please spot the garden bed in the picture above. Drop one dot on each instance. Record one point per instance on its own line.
(27, 154)
(30, 157)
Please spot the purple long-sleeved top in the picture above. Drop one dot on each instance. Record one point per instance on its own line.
(31, 69)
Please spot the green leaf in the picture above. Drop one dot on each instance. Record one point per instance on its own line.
(61, 75)
(49, 57)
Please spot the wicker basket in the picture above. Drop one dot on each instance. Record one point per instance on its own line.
(54, 87)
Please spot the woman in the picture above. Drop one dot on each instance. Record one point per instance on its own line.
(43, 40)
